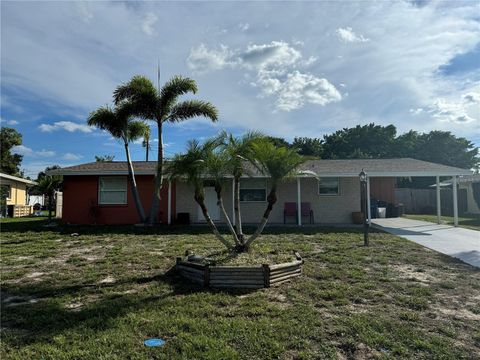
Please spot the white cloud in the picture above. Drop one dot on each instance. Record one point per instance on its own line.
(202, 59)
(348, 35)
(244, 26)
(274, 66)
(9, 122)
(148, 22)
(65, 125)
(22, 150)
(26, 151)
(451, 111)
(300, 89)
(72, 157)
(472, 97)
(274, 55)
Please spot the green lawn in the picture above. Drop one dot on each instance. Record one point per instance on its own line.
(101, 294)
(466, 221)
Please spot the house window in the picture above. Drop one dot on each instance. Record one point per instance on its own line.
(6, 192)
(329, 186)
(112, 190)
(253, 190)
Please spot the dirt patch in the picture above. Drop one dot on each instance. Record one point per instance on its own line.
(14, 300)
(108, 280)
(280, 300)
(79, 304)
(459, 314)
(411, 273)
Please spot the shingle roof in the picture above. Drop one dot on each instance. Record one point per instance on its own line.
(16, 178)
(351, 167)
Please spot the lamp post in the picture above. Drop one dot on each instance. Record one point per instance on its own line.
(363, 183)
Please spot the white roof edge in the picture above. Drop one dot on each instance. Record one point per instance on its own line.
(16, 178)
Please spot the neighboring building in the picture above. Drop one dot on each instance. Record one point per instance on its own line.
(471, 183)
(99, 192)
(15, 190)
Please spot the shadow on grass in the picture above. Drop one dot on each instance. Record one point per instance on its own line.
(42, 225)
(43, 319)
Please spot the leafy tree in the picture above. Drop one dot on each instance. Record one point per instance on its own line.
(190, 167)
(440, 147)
(35, 190)
(104, 158)
(367, 141)
(278, 164)
(120, 124)
(278, 141)
(10, 163)
(237, 150)
(162, 106)
(308, 146)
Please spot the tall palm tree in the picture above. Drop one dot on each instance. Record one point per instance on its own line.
(146, 141)
(120, 124)
(238, 150)
(191, 167)
(279, 164)
(161, 106)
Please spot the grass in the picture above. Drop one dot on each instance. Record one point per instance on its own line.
(99, 295)
(465, 221)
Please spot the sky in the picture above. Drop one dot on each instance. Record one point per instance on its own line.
(284, 68)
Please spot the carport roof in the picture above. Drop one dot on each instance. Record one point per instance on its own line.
(402, 167)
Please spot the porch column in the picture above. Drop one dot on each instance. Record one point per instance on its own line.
(299, 203)
(169, 211)
(439, 202)
(455, 201)
(369, 210)
(233, 201)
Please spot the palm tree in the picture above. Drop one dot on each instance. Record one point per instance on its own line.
(120, 124)
(48, 185)
(192, 167)
(161, 106)
(279, 164)
(238, 150)
(146, 141)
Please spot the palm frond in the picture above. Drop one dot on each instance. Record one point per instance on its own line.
(105, 118)
(175, 87)
(142, 95)
(279, 163)
(136, 130)
(192, 108)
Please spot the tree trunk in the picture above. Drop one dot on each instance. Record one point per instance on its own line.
(218, 190)
(158, 177)
(271, 199)
(146, 153)
(133, 184)
(200, 201)
(238, 215)
(50, 198)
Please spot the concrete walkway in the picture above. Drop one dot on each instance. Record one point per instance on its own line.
(461, 243)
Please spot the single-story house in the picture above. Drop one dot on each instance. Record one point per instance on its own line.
(99, 192)
(15, 191)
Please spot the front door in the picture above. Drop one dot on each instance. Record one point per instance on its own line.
(211, 204)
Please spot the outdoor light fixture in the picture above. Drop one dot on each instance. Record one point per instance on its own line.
(363, 186)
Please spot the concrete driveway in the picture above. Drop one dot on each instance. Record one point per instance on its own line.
(461, 243)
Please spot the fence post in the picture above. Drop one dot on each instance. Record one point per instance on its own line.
(266, 275)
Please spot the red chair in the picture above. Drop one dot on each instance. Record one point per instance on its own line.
(289, 209)
(307, 211)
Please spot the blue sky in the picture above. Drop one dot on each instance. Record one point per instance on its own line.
(287, 69)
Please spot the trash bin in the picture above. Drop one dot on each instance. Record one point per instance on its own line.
(382, 212)
(183, 218)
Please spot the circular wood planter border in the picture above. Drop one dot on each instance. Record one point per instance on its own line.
(246, 277)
